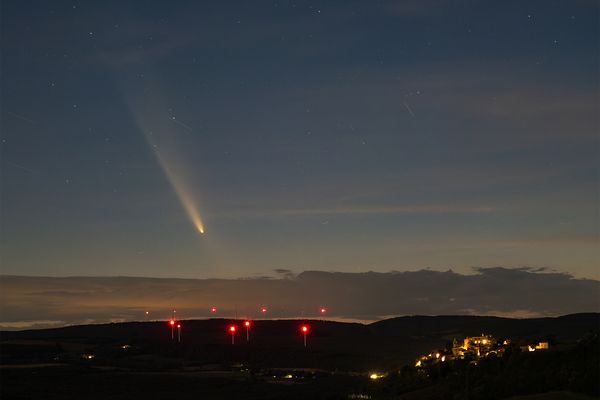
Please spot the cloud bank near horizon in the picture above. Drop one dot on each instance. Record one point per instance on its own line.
(38, 302)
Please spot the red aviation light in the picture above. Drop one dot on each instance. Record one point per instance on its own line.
(247, 323)
(232, 328)
(323, 310)
(172, 322)
(304, 328)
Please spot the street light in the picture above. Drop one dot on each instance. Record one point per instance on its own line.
(232, 329)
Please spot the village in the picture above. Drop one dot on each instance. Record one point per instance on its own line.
(475, 348)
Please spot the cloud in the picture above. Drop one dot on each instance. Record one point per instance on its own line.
(284, 273)
(519, 292)
(365, 210)
(408, 209)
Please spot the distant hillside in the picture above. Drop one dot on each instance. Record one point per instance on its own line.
(567, 327)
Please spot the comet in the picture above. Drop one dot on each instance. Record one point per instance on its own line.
(186, 200)
(152, 119)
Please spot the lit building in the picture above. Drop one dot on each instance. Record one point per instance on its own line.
(534, 347)
(474, 345)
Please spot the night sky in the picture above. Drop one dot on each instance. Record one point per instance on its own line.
(345, 136)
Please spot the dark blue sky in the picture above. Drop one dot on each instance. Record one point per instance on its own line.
(332, 135)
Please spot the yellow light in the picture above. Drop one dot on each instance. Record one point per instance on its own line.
(418, 364)
(484, 341)
(437, 355)
(530, 348)
(375, 376)
(288, 376)
(443, 358)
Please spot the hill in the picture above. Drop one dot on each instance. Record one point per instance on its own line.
(123, 360)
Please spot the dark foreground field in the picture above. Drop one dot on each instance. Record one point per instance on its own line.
(139, 360)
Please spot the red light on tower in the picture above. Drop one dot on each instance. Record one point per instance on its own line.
(323, 310)
(232, 329)
(213, 310)
(263, 310)
(304, 329)
(247, 325)
(179, 332)
(172, 323)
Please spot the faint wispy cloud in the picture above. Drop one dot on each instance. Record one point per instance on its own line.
(364, 210)
(408, 209)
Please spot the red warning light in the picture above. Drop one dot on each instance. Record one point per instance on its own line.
(178, 326)
(304, 329)
(247, 323)
(213, 310)
(232, 329)
(263, 310)
(323, 310)
(172, 322)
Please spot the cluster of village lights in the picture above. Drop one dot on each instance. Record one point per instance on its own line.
(232, 329)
